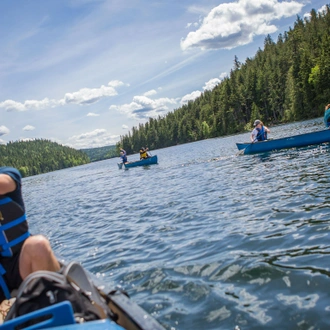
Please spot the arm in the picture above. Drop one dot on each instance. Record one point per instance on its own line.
(7, 184)
(267, 129)
(252, 136)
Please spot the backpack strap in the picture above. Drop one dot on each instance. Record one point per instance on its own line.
(76, 274)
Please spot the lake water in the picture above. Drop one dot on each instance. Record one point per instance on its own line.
(205, 239)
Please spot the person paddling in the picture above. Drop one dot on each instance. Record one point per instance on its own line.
(123, 156)
(259, 132)
(327, 116)
(144, 153)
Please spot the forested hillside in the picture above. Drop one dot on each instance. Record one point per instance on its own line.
(101, 153)
(289, 80)
(40, 156)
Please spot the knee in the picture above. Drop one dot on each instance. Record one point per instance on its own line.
(37, 246)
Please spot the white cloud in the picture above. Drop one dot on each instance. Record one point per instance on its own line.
(124, 127)
(2, 141)
(150, 93)
(190, 97)
(230, 25)
(116, 83)
(93, 139)
(223, 75)
(92, 114)
(4, 130)
(323, 9)
(28, 128)
(89, 135)
(89, 95)
(84, 96)
(10, 105)
(209, 85)
(143, 107)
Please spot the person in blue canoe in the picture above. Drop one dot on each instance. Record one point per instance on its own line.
(20, 253)
(123, 156)
(327, 116)
(144, 153)
(260, 132)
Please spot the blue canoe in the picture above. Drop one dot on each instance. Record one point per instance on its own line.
(296, 141)
(148, 161)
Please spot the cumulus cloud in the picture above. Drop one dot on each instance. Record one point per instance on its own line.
(2, 141)
(89, 95)
(84, 96)
(4, 130)
(89, 135)
(209, 85)
(230, 25)
(150, 93)
(11, 105)
(323, 9)
(97, 138)
(28, 128)
(223, 75)
(143, 107)
(92, 114)
(124, 127)
(190, 97)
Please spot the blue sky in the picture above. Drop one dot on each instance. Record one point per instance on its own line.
(84, 72)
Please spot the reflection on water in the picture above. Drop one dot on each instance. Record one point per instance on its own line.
(205, 239)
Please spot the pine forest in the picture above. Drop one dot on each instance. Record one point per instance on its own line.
(40, 156)
(289, 80)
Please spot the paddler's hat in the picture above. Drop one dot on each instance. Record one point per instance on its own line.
(257, 122)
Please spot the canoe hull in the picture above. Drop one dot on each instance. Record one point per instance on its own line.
(296, 141)
(144, 162)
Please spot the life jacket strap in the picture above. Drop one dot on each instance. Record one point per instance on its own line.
(7, 246)
(5, 200)
(13, 223)
(3, 284)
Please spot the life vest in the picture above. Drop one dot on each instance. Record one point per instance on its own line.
(262, 134)
(326, 118)
(13, 232)
(123, 158)
(143, 154)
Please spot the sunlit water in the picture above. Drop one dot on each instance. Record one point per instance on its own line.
(205, 239)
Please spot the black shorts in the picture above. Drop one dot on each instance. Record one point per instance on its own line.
(12, 276)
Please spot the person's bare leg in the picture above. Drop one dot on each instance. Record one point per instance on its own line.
(37, 254)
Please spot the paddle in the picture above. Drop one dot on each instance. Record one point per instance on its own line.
(247, 148)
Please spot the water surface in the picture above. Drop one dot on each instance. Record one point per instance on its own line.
(205, 239)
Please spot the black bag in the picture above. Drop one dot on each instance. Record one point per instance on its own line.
(44, 288)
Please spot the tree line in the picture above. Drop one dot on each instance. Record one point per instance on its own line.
(287, 80)
(101, 153)
(40, 156)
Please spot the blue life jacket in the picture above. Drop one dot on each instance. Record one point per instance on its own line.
(326, 118)
(262, 134)
(14, 231)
